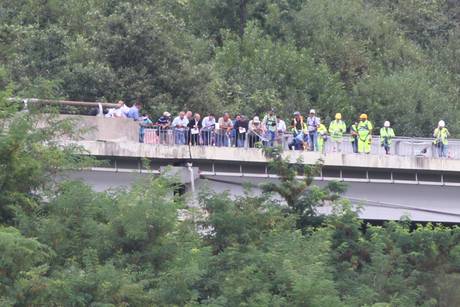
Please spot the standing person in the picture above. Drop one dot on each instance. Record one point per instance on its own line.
(179, 125)
(299, 131)
(223, 133)
(189, 117)
(354, 137)
(208, 124)
(145, 122)
(336, 130)
(313, 124)
(364, 134)
(440, 139)
(386, 136)
(194, 127)
(256, 130)
(241, 127)
(322, 136)
(269, 122)
(280, 130)
(233, 132)
(164, 124)
(134, 111)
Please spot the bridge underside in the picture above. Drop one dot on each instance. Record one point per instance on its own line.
(419, 200)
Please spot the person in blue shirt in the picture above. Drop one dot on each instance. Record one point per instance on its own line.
(134, 111)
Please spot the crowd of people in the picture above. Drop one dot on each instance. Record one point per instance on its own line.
(303, 133)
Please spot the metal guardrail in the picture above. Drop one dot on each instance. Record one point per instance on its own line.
(401, 146)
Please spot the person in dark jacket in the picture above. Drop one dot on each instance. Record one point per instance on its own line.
(194, 128)
(241, 127)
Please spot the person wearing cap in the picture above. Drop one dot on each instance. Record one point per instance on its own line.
(322, 136)
(336, 130)
(269, 123)
(144, 122)
(299, 131)
(364, 134)
(164, 124)
(223, 132)
(256, 130)
(440, 139)
(386, 136)
(312, 125)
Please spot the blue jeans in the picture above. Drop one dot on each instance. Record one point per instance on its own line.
(442, 150)
(354, 145)
(221, 140)
(179, 137)
(313, 140)
(271, 137)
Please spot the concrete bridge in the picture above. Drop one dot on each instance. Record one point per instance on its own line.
(387, 187)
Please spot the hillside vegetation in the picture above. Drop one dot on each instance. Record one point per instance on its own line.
(396, 60)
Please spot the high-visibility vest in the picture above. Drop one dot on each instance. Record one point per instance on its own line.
(441, 136)
(364, 130)
(270, 122)
(386, 135)
(336, 129)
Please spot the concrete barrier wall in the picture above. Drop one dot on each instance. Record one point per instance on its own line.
(106, 129)
(252, 155)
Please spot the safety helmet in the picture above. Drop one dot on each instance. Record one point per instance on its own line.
(312, 111)
(386, 124)
(363, 116)
(441, 124)
(338, 116)
(296, 113)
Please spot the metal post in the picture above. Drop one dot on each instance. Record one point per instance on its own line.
(192, 179)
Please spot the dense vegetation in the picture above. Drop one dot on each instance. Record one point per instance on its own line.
(395, 60)
(62, 244)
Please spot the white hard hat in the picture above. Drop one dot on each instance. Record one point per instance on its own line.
(386, 124)
(312, 111)
(441, 124)
(256, 119)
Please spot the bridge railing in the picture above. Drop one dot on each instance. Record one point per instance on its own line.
(401, 146)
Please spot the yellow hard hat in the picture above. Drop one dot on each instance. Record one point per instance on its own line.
(363, 116)
(338, 116)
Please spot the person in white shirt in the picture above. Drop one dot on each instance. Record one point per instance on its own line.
(256, 131)
(280, 130)
(208, 124)
(120, 111)
(179, 125)
(223, 133)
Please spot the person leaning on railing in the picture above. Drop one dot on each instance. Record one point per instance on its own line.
(299, 131)
(223, 131)
(163, 125)
(194, 127)
(241, 127)
(208, 124)
(179, 125)
(256, 130)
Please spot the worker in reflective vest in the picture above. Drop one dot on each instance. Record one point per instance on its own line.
(440, 139)
(364, 134)
(322, 136)
(386, 136)
(336, 130)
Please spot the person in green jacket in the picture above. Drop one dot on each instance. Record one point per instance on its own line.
(364, 134)
(322, 136)
(440, 139)
(386, 136)
(336, 130)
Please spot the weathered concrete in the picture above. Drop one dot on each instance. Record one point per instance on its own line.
(251, 155)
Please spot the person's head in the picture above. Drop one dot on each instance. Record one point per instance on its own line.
(338, 116)
(312, 113)
(181, 115)
(278, 118)
(386, 124)
(271, 111)
(297, 115)
(238, 117)
(138, 105)
(189, 114)
(197, 116)
(120, 103)
(166, 114)
(256, 120)
(441, 124)
(211, 116)
(226, 116)
(363, 117)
